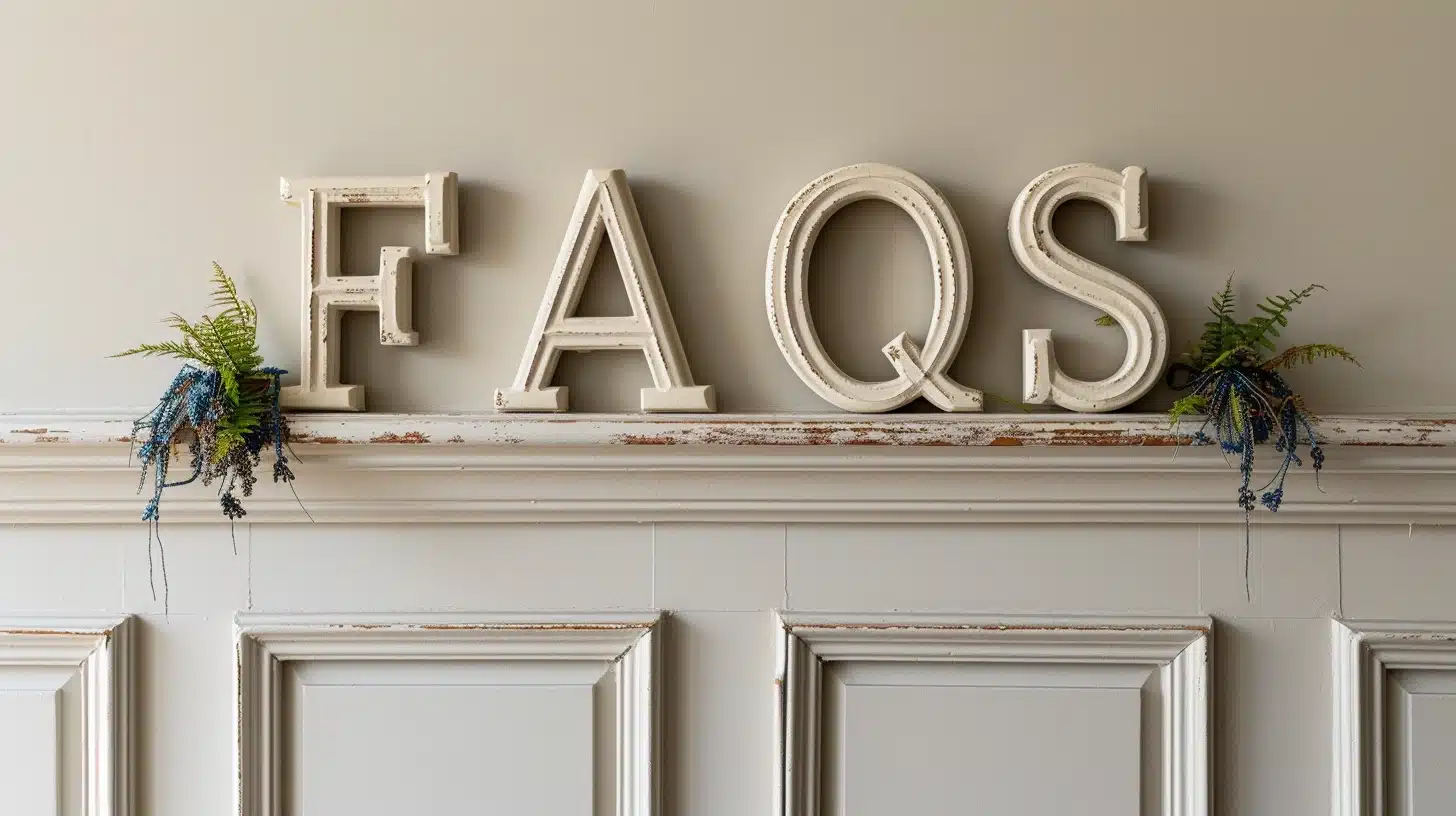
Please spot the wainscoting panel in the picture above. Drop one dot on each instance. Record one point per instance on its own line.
(1395, 717)
(1027, 715)
(66, 730)
(1272, 704)
(438, 714)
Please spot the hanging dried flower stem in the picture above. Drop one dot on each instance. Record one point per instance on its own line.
(223, 404)
(1243, 396)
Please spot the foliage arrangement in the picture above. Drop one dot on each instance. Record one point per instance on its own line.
(1234, 381)
(223, 404)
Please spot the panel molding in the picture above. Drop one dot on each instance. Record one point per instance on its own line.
(264, 643)
(906, 468)
(1176, 647)
(101, 650)
(1364, 652)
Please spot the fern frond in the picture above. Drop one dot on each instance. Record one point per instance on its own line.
(1307, 354)
(169, 348)
(1257, 331)
(249, 401)
(1223, 303)
(1220, 333)
(226, 342)
(225, 294)
(230, 388)
(1226, 355)
(227, 439)
(1185, 406)
(233, 343)
(197, 339)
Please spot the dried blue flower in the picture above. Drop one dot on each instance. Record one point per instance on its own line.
(195, 408)
(231, 507)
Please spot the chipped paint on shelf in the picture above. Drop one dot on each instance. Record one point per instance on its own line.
(747, 430)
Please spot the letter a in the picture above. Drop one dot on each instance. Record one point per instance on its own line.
(605, 207)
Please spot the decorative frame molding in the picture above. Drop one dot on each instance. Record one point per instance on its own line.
(921, 371)
(1177, 647)
(101, 648)
(265, 642)
(61, 469)
(1364, 652)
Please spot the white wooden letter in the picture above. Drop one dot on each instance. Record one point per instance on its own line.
(605, 207)
(921, 370)
(1044, 258)
(327, 293)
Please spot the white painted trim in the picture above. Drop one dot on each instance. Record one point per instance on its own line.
(265, 642)
(101, 650)
(904, 469)
(1363, 652)
(1176, 647)
(639, 732)
(733, 431)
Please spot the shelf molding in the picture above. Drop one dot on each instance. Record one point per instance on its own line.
(900, 468)
(740, 430)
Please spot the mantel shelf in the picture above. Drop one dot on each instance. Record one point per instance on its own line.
(900, 468)
(739, 430)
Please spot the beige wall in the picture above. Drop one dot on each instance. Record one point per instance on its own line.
(1291, 141)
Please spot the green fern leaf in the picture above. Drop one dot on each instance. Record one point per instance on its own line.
(169, 348)
(1223, 302)
(1192, 404)
(1257, 330)
(226, 341)
(1307, 354)
(225, 295)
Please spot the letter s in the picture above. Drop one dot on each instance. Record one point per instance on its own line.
(1044, 258)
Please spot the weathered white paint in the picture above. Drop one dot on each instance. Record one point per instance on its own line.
(906, 469)
(605, 208)
(1175, 650)
(921, 370)
(266, 644)
(1044, 257)
(328, 293)
(93, 657)
(1373, 666)
(26, 436)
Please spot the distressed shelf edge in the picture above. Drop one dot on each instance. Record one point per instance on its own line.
(1179, 509)
(738, 430)
(902, 469)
